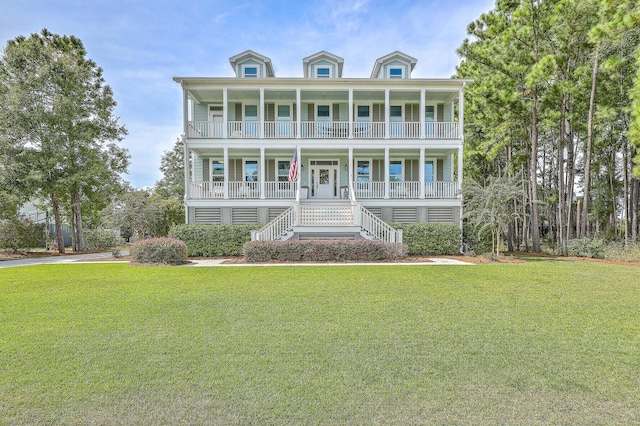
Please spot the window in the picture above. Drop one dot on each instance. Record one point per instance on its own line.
(217, 171)
(395, 171)
(430, 113)
(323, 72)
(429, 171)
(395, 72)
(364, 112)
(283, 170)
(284, 112)
(251, 170)
(363, 171)
(395, 112)
(323, 112)
(251, 112)
(250, 72)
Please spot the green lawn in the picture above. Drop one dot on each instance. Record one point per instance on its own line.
(544, 342)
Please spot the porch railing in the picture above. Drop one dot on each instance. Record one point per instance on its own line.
(287, 190)
(278, 226)
(253, 129)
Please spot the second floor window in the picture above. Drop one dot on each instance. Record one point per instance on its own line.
(395, 112)
(363, 113)
(217, 171)
(251, 112)
(363, 171)
(395, 171)
(251, 170)
(323, 112)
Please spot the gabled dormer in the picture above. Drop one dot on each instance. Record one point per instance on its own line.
(322, 65)
(394, 65)
(250, 64)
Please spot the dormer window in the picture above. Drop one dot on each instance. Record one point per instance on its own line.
(250, 72)
(395, 72)
(323, 72)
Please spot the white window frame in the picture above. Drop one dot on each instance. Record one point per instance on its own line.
(402, 169)
(217, 161)
(401, 68)
(396, 119)
(287, 118)
(435, 169)
(323, 67)
(323, 118)
(287, 169)
(364, 119)
(246, 117)
(355, 170)
(246, 66)
(244, 169)
(435, 112)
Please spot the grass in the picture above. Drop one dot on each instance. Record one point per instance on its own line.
(535, 343)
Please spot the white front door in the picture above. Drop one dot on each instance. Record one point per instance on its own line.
(324, 181)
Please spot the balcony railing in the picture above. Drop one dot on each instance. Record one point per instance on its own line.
(287, 190)
(249, 129)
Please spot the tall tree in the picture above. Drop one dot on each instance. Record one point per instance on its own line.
(171, 185)
(56, 113)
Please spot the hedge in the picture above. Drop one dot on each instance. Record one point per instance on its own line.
(430, 238)
(322, 250)
(213, 240)
(101, 239)
(159, 250)
(20, 233)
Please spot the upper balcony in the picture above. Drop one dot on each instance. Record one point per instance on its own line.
(322, 130)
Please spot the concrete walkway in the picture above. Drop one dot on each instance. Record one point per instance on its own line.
(87, 258)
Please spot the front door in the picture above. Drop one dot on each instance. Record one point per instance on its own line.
(324, 181)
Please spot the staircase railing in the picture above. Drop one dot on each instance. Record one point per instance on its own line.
(278, 226)
(378, 228)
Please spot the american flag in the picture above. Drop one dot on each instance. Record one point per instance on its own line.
(293, 168)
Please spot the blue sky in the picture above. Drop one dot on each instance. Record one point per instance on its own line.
(142, 44)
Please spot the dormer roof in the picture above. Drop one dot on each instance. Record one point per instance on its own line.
(382, 64)
(251, 57)
(322, 57)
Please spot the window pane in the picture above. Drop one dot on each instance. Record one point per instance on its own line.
(284, 111)
(363, 170)
(251, 111)
(251, 171)
(250, 71)
(430, 113)
(429, 170)
(323, 111)
(217, 171)
(395, 73)
(283, 170)
(395, 171)
(395, 111)
(323, 72)
(363, 111)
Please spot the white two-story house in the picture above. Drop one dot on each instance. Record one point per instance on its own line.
(387, 148)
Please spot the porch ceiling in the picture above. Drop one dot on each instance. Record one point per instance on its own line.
(324, 153)
(215, 96)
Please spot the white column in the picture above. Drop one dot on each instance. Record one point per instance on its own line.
(387, 179)
(386, 113)
(187, 186)
(299, 154)
(225, 159)
(261, 131)
(350, 113)
(421, 172)
(461, 146)
(298, 114)
(421, 115)
(262, 174)
(225, 117)
(350, 171)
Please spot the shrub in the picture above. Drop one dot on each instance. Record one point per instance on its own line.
(19, 233)
(618, 251)
(475, 242)
(430, 238)
(587, 247)
(101, 239)
(213, 240)
(159, 250)
(322, 250)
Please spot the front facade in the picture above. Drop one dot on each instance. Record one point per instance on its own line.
(366, 150)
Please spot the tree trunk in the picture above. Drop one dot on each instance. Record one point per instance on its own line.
(533, 181)
(58, 223)
(77, 214)
(584, 226)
